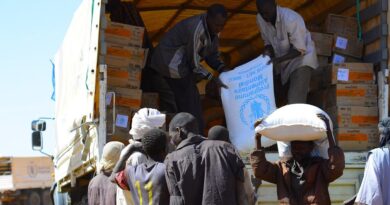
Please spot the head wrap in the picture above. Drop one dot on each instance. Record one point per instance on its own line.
(144, 120)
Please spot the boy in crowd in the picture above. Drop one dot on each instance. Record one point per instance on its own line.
(145, 181)
(100, 190)
(201, 171)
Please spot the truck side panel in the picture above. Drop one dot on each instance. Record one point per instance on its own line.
(30, 172)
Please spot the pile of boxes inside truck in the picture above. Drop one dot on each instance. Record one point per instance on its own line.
(125, 58)
(344, 86)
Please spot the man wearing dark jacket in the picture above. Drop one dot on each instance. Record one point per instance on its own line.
(177, 60)
(201, 171)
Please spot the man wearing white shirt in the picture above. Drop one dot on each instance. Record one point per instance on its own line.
(375, 187)
(289, 45)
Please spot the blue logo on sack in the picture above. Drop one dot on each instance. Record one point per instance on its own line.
(254, 109)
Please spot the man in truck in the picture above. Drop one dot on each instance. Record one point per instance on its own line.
(289, 45)
(177, 61)
(303, 179)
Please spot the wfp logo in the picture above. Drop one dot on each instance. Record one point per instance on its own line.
(254, 109)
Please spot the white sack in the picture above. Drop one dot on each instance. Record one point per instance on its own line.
(144, 120)
(320, 149)
(250, 96)
(294, 122)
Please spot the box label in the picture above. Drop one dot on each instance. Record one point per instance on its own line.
(364, 119)
(351, 93)
(122, 120)
(343, 74)
(341, 43)
(338, 59)
(352, 137)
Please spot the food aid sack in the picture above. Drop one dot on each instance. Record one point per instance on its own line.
(249, 97)
(297, 122)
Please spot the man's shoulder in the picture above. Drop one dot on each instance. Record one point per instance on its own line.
(190, 22)
(288, 14)
(380, 152)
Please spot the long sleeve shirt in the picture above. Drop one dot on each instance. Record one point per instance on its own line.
(182, 49)
(317, 174)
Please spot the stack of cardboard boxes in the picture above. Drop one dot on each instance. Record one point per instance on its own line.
(125, 58)
(345, 88)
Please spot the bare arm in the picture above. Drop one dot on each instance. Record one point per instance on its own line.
(336, 163)
(121, 164)
(262, 169)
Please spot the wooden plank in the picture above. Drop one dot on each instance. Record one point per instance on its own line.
(201, 8)
(171, 20)
(239, 8)
(371, 11)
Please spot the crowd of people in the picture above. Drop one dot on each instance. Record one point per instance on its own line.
(183, 167)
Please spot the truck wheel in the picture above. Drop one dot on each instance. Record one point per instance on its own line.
(46, 199)
(33, 199)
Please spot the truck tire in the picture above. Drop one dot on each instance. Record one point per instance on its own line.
(33, 199)
(46, 199)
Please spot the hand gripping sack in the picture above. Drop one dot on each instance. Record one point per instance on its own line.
(249, 97)
(297, 122)
(294, 122)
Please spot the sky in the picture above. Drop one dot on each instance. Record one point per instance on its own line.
(31, 32)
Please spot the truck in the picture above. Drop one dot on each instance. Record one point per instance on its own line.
(26, 180)
(86, 108)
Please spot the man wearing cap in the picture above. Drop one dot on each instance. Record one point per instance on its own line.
(101, 191)
(289, 45)
(201, 171)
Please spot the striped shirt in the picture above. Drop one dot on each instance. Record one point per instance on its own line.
(146, 183)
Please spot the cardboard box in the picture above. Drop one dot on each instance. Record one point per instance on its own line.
(150, 100)
(130, 98)
(348, 46)
(124, 77)
(323, 43)
(318, 98)
(342, 25)
(349, 73)
(351, 95)
(354, 117)
(123, 56)
(341, 58)
(124, 34)
(122, 123)
(357, 139)
(316, 80)
(323, 60)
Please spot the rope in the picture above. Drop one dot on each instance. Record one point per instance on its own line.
(359, 20)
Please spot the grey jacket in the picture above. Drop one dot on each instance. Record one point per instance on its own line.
(181, 50)
(204, 171)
